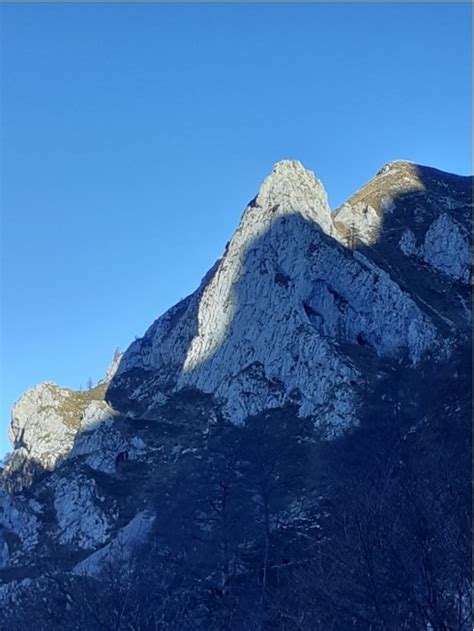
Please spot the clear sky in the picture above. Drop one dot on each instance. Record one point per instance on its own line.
(134, 134)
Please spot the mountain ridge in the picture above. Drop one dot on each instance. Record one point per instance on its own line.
(314, 331)
(298, 192)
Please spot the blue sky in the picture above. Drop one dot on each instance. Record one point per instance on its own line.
(134, 135)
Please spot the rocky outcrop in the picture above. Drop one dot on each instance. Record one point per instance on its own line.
(121, 548)
(446, 247)
(100, 440)
(428, 212)
(42, 423)
(310, 323)
(265, 326)
(80, 518)
(47, 420)
(20, 518)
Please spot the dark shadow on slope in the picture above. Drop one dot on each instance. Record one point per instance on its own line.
(267, 522)
(433, 193)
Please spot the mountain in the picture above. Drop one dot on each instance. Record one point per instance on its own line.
(286, 448)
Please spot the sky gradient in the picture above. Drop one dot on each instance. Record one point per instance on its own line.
(134, 135)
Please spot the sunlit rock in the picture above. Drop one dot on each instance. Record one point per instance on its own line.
(20, 518)
(447, 249)
(80, 519)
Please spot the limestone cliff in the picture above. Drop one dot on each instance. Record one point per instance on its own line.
(316, 313)
(277, 318)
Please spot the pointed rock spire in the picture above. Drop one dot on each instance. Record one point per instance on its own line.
(291, 189)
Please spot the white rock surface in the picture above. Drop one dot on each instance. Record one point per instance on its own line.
(95, 413)
(39, 426)
(121, 548)
(99, 446)
(364, 220)
(48, 421)
(112, 369)
(261, 329)
(289, 189)
(407, 243)
(80, 519)
(19, 517)
(99, 440)
(447, 249)
(281, 317)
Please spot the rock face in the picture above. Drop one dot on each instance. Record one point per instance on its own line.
(427, 211)
(309, 314)
(21, 518)
(446, 248)
(41, 425)
(80, 519)
(121, 547)
(47, 419)
(218, 340)
(266, 325)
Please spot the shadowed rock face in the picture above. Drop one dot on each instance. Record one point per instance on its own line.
(310, 316)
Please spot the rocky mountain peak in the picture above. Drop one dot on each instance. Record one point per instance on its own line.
(311, 327)
(406, 167)
(422, 212)
(290, 188)
(270, 317)
(266, 325)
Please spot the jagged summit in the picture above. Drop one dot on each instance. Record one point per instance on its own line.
(286, 168)
(266, 324)
(286, 293)
(289, 189)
